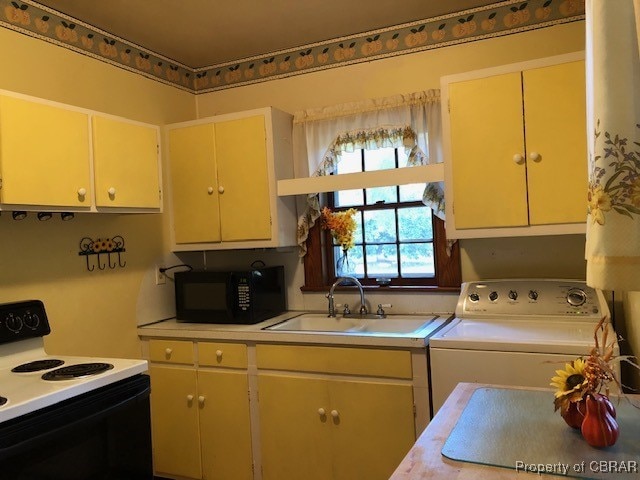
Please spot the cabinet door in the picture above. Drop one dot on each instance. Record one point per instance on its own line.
(225, 430)
(555, 122)
(174, 421)
(374, 428)
(241, 156)
(489, 187)
(194, 194)
(294, 434)
(125, 164)
(44, 154)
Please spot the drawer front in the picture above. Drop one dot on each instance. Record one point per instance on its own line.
(171, 351)
(336, 360)
(221, 354)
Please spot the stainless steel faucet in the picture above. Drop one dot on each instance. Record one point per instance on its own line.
(339, 280)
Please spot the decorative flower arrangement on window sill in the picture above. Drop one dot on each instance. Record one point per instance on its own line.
(342, 226)
(582, 394)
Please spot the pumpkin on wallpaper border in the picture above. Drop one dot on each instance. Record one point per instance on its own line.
(157, 69)
(417, 37)
(344, 52)
(201, 80)
(108, 48)
(125, 56)
(544, 11)
(305, 59)
(372, 45)
(517, 16)
(393, 42)
(570, 7)
(464, 27)
(143, 62)
(17, 13)
(87, 41)
(285, 64)
(66, 32)
(439, 34)
(42, 24)
(489, 23)
(173, 73)
(233, 75)
(268, 67)
(323, 57)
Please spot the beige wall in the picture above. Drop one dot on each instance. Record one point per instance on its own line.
(91, 313)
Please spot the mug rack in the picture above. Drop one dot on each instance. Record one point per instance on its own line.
(100, 247)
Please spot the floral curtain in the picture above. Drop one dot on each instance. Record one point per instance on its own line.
(404, 121)
(613, 84)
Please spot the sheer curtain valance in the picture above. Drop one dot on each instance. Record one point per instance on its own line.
(320, 135)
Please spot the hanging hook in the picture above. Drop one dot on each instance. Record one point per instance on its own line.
(120, 262)
(109, 260)
(100, 265)
(91, 268)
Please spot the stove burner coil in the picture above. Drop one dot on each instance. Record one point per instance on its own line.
(76, 371)
(37, 365)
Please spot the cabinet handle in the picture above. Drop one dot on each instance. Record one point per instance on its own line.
(221, 189)
(335, 413)
(535, 156)
(519, 159)
(210, 190)
(189, 398)
(168, 352)
(111, 191)
(219, 354)
(322, 412)
(82, 192)
(201, 400)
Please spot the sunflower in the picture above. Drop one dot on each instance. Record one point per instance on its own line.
(571, 383)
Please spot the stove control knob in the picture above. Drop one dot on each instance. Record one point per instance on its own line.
(31, 320)
(474, 297)
(13, 323)
(513, 295)
(493, 296)
(533, 294)
(576, 297)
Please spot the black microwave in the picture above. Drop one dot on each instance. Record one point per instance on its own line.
(238, 297)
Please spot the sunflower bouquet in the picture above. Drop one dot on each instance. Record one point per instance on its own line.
(342, 226)
(583, 388)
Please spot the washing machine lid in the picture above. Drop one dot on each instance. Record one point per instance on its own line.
(562, 337)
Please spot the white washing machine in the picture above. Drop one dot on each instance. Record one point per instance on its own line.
(515, 332)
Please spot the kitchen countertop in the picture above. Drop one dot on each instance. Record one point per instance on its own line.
(425, 461)
(255, 333)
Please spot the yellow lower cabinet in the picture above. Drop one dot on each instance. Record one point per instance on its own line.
(315, 428)
(200, 423)
(225, 430)
(174, 419)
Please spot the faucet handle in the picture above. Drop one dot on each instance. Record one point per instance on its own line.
(347, 310)
(381, 310)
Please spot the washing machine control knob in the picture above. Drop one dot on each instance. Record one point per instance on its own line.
(513, 295)
(533, 294)
(474, 297)
(493, 296)
(576, 297)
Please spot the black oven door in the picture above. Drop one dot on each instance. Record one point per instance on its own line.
(104, 434)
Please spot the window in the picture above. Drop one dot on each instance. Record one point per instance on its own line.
(397, 239)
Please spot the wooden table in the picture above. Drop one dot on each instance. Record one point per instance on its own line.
(425, 461)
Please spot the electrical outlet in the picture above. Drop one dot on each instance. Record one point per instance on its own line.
(161, 278)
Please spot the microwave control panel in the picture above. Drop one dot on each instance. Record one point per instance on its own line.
(244, 301)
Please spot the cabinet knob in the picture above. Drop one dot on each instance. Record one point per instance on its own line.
(111, 191)
(221, 189)
(219, 354)
(535, 156)
(82, 192)
(518, 158)
(168, 352)
(335, 413)
(189, 398)
(322, 412)
(210, 190)
(201, 400)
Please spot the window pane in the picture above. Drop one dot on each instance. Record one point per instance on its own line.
(412, 192)
(352, 264)
(382, 194)
(403, 157)
(381, 159)
(382, 261)
(416, 260)
(414, 223)
(349, 198)
(349, 162)
(379, 226)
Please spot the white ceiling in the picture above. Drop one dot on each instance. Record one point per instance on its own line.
(202, 33)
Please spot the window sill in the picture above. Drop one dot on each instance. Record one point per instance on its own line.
(396, 289)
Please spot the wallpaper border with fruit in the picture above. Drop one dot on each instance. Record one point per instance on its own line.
(500, 19)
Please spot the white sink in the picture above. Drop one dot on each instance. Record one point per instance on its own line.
(320, 322)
